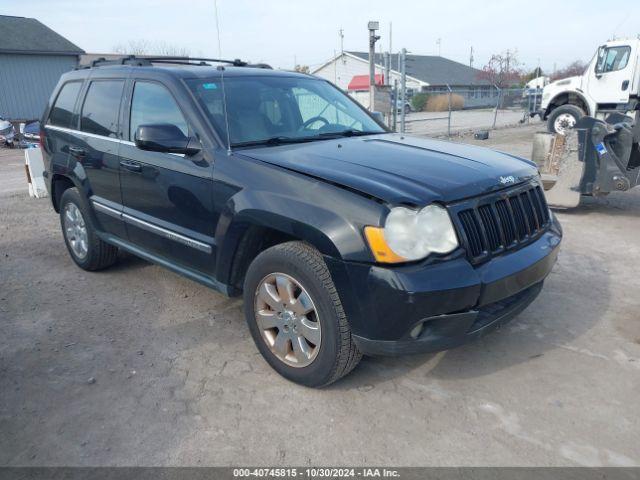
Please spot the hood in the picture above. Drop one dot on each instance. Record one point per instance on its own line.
(401, 169)
(564, 83)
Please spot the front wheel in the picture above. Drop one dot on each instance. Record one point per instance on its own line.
(295, 316)
(564, 118)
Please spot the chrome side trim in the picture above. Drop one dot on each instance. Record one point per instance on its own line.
(101, 137)
(150, 227)
(79, 132)
(176, 237)
(106, 210)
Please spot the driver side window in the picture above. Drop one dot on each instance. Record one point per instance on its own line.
(312, 105)
(612, 59)
(152, 103)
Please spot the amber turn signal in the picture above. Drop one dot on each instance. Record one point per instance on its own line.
(379, 247)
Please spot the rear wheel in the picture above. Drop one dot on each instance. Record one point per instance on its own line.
(295, 316)
(83, 243)
(563, 118)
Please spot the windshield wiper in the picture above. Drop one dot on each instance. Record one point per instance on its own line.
(279, 140)
(348, 133)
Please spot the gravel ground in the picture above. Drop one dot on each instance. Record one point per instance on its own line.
(137, 366)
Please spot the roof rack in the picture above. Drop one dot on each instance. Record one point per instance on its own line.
(148, 61)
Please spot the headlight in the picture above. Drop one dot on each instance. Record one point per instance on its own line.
(412, 234)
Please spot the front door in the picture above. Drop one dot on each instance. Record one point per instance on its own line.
(167, 198)
(610, 75)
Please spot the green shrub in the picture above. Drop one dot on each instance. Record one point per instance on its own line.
(419, 101)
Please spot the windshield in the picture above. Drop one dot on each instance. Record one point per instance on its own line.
(274, 110)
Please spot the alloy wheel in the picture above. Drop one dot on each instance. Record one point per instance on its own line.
(75, 230)
(287, 319)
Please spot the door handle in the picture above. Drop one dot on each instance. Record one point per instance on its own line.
(77, 151)
(131, 166)
(625, 85)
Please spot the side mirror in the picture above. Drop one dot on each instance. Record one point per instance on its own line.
(378, 117)
(166, 138)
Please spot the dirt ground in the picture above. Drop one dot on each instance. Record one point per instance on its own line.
(138, 366)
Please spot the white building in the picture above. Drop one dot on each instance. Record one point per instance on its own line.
(425, 73)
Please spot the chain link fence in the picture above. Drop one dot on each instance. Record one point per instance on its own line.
(448, 110)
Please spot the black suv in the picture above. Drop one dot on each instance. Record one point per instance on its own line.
(344, 238)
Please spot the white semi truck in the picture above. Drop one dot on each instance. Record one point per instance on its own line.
(611, 83)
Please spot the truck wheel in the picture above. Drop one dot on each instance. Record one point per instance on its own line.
(85, 248)
(295, 316)
(563, 118)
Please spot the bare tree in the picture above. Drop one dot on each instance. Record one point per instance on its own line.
(145, 47)
(502, 70)
(574, 69)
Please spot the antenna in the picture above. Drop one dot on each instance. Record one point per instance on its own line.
(215, 8)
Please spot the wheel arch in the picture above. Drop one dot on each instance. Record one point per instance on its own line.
(568, 98)
(59, 183)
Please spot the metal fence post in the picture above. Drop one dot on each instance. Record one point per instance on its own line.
(449, 117)
(495, 113)
(403, 88)
(394, 105)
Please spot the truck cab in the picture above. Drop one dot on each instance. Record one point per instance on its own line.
(609, 84)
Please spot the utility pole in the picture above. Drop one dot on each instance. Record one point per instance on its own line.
(439, 43)
(373, 38)
(403, 88)
(471, 58)
(342, 46)
(390, 37)
(387, 68)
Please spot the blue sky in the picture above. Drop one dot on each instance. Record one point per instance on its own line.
(279, 32)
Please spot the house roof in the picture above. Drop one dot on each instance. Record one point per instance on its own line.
(29, 36)
(432, 69)
(361, 82)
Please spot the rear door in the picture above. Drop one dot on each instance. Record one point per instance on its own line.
(96, 149)
(168, 200)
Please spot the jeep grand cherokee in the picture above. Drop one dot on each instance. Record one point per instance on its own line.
(343, 237)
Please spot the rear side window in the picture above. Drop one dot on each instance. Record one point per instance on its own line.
(62, 112)
(152, 103)
(101, 106)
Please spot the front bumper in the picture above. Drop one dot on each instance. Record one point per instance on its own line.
(455, 301)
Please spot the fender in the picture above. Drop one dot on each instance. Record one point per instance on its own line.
(333, 234)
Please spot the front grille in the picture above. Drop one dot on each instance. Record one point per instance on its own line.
(502, 221)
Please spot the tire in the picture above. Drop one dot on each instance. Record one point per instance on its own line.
(569, 113)
(97, 254)
(334, 354)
